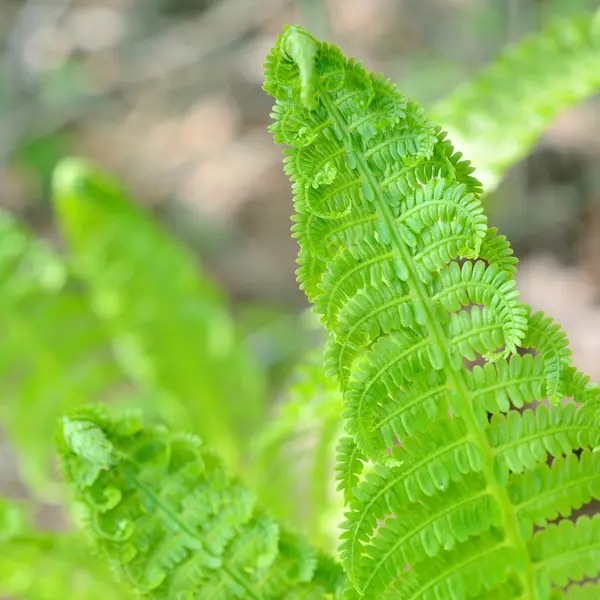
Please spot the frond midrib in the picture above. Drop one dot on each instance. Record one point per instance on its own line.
(174, 517)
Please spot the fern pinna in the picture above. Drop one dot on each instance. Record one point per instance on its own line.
(450, 483)
(162, 509)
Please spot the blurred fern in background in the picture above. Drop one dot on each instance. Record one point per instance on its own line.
(170, 329)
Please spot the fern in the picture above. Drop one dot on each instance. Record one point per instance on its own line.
(500, 115)
(397, 257)
(163, 511)
(169, 327)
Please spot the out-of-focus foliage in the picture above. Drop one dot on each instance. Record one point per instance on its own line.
(161, 508)
(54, 352)
(151, 329)
(304, 433)
(47, 566)
(66, 342)
(498, 117)
(169, 327)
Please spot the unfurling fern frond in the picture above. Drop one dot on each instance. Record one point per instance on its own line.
(397, 257)
(54, 354)
(500, 115)
(162, 509)
(169, 326)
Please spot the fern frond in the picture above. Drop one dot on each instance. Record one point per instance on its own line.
(169, 325)
(499, 115)
(163, 511)
(413, 287)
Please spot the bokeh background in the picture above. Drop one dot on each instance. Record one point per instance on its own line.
(166, 95)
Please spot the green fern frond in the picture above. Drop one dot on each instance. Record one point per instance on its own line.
(499, 116)
(397, 257)
(169, 326)
(163, 511)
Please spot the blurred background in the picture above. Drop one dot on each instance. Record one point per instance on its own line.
(166, 95)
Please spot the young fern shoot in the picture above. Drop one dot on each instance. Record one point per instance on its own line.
(171, 522)
(414, 287)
